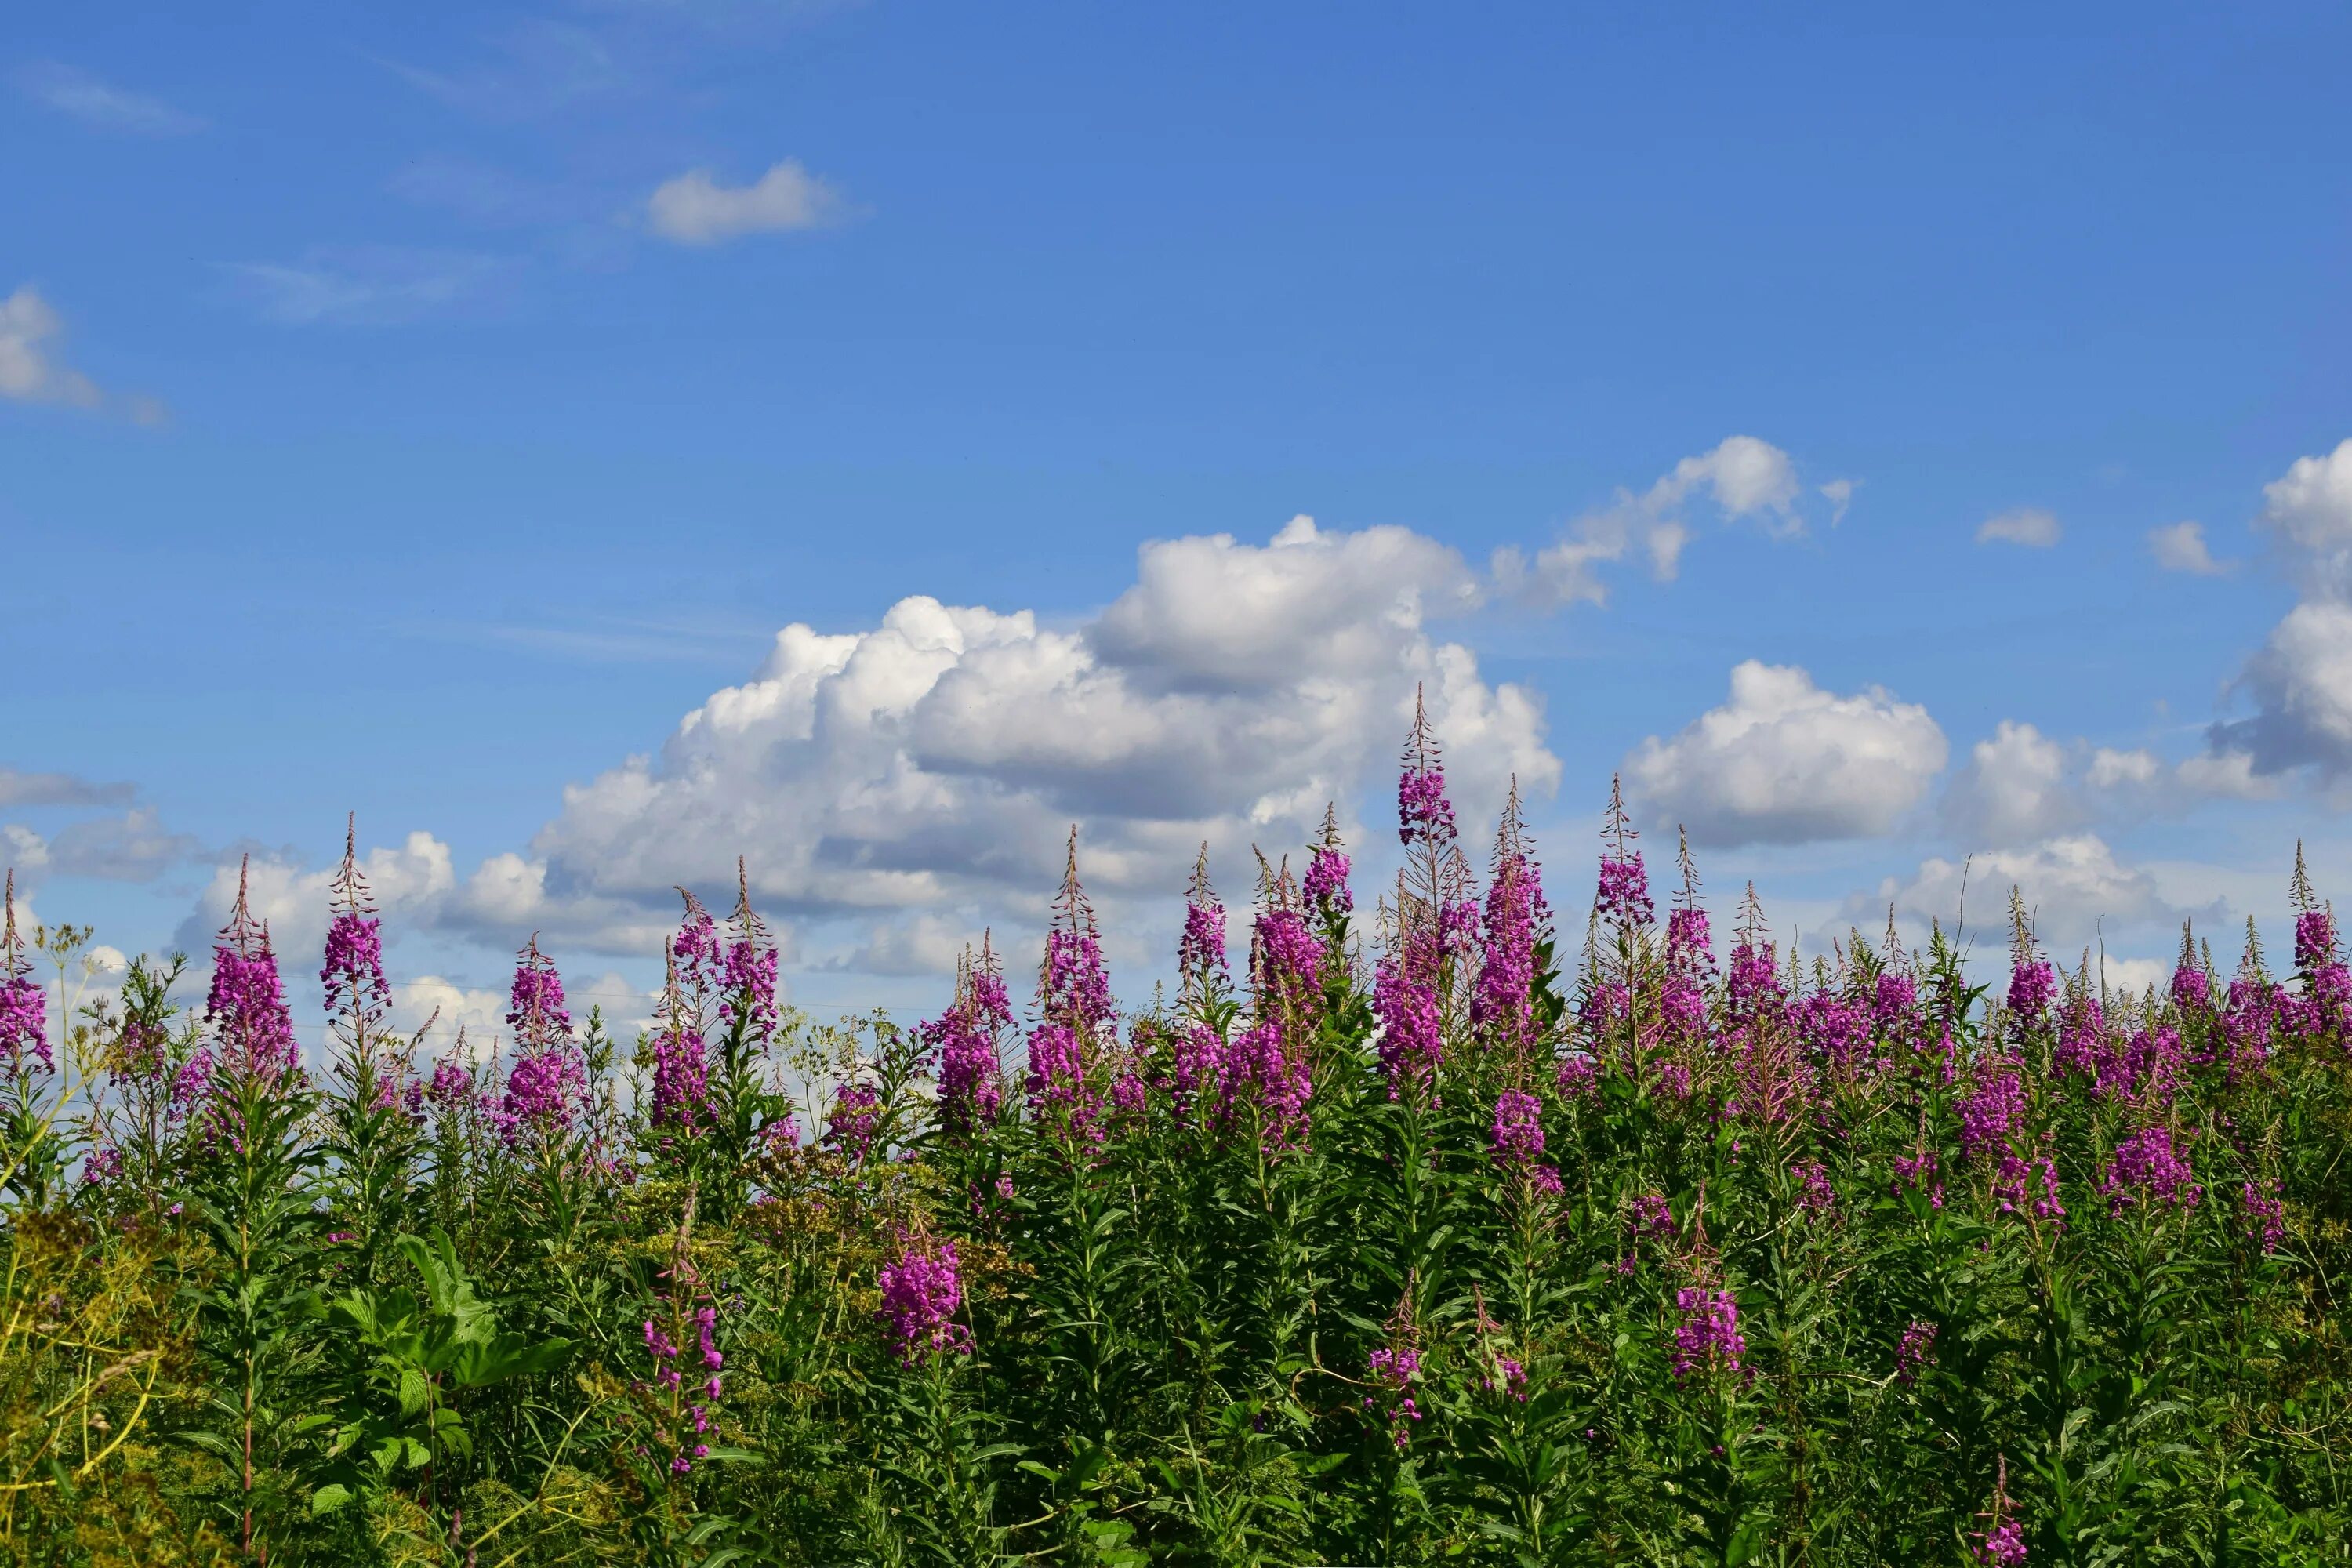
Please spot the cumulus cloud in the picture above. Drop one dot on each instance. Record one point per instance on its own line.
(935, 760)
(694, 209)
(80, 95)
(2016, 787)
(2070, 884)
(293, 899)
(2020, 786)
(2181, 547)
(1785, 762)
(2310, 509)
(2300, 681)
(1746, 478)
(915, 779)
(2027, 525)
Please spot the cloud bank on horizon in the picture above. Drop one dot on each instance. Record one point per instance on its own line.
(895, 789)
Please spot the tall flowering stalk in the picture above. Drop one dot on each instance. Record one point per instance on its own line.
(964, 1043)
(24, 1003)
(1201, 950)
(681, 1109)
(2002, 1543)
(1074, 1011)
(2032, 980)
(1432, 922)
(377, 1106)
(253, 1032)
(1329, 897)
(547, 1085)
(1518, 922)
(357, 994)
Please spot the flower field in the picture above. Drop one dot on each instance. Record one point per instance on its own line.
(1458, 1221)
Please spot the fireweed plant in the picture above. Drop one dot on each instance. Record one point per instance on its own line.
(1428, 1229)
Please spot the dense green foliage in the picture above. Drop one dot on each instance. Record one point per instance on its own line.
(1843, 1263)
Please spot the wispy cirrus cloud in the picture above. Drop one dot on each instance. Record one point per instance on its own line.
(367, 285)
(99, 104)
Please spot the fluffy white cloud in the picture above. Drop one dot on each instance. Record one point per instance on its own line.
(696, 209)
(29, 369)
(1747, 479)
(480, 1011)
(917, 777)
(1785, 762)
(2069, 884)
(2310, 508)
(2300, 681)
(2016, 787)
(413, 878)
(2021, 785)
(936, 759)
(2181, 547)
(2028, 525)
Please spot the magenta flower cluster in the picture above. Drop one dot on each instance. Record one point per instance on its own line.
(921, 1294)
(1325, 887)
(2002, 1546)
(1394, 1369)
(1916, 1353)
(1517, 1137)
(2146, 1168)
(1709, 1336)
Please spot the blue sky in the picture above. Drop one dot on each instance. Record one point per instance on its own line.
(421, 413)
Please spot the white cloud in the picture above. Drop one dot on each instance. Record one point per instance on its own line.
(934, 762)
(410, 879)
(2300, 681)
(922, 773)
(694, 209)
(1785, 762)
(1840, 495)
(1747, 479)
(29, 370)
(2069, 883)
(2015, 787)
(2310, 507)
(2135, 976)
(2028, 525)
(2114, 769)
(2181, 547)
(95, 103)
(2225, 775)
(2020, 786)
(449, 1007)
(923, 944)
